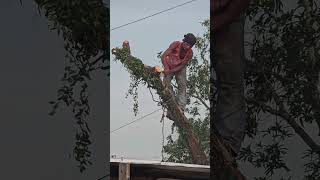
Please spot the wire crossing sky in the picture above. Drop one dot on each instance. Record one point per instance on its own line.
(153, 15)
(135, 120)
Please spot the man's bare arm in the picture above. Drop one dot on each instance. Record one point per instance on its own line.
(230, 13)
(168, 51)
(183, 64)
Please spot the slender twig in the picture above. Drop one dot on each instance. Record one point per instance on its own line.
(152, 96)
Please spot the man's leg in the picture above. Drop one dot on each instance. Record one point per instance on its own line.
(228, 62)
(181, 78)
(167, 81)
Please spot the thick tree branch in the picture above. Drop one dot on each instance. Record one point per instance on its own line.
(316, 109)
(286, 116)
(101, 57)
(222, 167)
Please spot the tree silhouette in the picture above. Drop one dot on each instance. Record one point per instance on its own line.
(84, 27)
(282, 84)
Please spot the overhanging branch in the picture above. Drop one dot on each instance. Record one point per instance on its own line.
(286, 116)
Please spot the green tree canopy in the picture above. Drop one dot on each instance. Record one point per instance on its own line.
(282, 85)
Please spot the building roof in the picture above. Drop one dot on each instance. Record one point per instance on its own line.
(169, 169)
(159, 163)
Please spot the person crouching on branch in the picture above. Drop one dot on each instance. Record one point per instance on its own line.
(175, 60)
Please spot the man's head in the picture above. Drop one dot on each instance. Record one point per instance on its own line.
(188, 41)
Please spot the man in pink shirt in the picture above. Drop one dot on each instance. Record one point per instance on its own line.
(175, 60)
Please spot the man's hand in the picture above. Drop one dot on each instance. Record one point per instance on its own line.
(167, 52)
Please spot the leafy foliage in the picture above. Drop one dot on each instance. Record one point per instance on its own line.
(282, 83)
(312, 168)
(84, 28)
(139, 76)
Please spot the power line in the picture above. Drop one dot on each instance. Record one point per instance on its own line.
(136, 120)
(153, 15)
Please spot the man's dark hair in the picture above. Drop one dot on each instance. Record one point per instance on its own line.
(190, 39)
